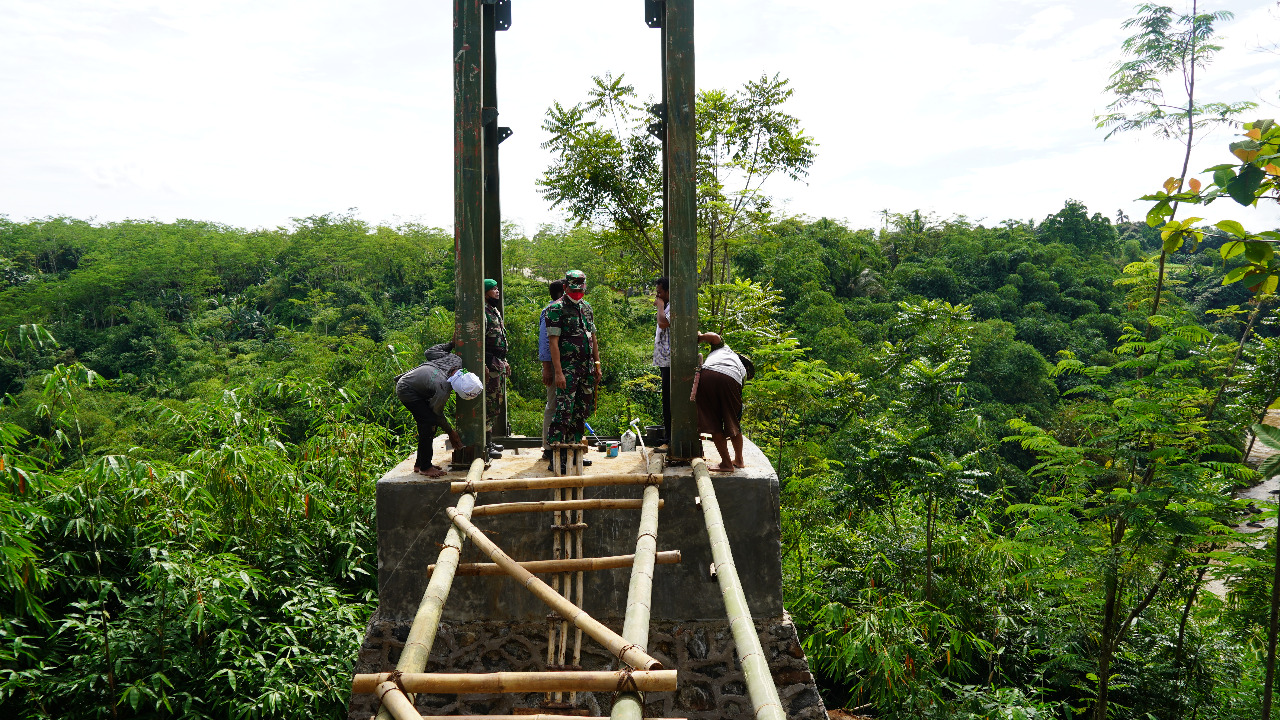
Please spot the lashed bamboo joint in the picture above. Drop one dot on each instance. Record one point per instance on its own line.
(520, 682)
(611, 562)
(555, 483)
(556, 506)
(629, 653)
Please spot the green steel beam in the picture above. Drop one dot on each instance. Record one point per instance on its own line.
(682, 225)
(492, 209)
(468, 216)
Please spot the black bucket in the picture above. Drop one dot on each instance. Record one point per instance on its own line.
(655, 435)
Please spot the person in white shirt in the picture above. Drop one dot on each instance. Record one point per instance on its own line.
(662, 349)
(719, 400)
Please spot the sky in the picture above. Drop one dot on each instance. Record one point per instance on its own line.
(254, 113)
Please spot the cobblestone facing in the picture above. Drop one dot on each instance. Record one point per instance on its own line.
(711, 686)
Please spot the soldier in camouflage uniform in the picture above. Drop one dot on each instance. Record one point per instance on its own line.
(575, 359)
(495, 354)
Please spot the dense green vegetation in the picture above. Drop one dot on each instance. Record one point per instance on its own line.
(188, 468)
(1007, 452)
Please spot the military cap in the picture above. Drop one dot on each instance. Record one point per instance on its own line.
(575, 279)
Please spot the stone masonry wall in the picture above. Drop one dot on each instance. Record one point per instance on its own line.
(711, 685)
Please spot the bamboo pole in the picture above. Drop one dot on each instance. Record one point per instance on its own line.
(580, 494)
(422, 633)
(613, 642)
(555, 505)
(635, 625)
(552, 483)
(541, 567)
(393, 702)
(755, 668)
(518, 682)
(540, 716)
(556, 535)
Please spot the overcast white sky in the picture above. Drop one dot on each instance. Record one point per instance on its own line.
(252, 113)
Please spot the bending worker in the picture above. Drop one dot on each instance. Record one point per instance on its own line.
(575, 360)
(719, 399)
(425, 389)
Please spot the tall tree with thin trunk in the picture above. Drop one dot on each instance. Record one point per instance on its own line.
(1167, 45)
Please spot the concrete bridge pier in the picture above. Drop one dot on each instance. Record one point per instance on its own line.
(492, 624)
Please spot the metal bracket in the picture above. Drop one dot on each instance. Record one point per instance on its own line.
(501, 13)
(503, 134)
(488, 115)
(658, 129)
(654, 12)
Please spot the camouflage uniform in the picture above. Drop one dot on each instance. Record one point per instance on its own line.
(574, 323)
(495, 352)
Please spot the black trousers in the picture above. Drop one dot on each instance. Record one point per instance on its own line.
(427, 423)
(665, 372)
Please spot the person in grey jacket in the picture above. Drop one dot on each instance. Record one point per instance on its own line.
(424, 390)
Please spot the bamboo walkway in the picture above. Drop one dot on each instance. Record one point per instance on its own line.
(564, 594)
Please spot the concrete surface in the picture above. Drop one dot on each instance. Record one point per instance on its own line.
(412, 523)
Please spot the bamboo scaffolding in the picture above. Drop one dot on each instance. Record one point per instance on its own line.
(755, 667)
(555, 505)
(518, 682)
(422, 633)
(556, 535)
(539, 716)
(542, 567)
(552, 483)
(613, 642)
(579, 528)
(635, 625)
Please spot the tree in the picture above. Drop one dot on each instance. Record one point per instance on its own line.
(1132, 492)
(744, 138)
(607, 171)
(1167, 44)
(1073, 226)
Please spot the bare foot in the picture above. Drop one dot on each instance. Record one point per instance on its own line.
(739, 463)
(722, 467)
(433, 472)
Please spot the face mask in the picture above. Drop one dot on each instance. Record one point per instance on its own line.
(576, 295)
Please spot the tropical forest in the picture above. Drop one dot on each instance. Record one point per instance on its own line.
(1020, 460)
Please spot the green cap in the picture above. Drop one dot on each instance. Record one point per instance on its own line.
(490, 284)
(575, 279)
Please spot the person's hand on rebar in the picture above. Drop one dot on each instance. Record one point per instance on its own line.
(599, 372)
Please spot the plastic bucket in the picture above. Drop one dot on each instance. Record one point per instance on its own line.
(613, 449)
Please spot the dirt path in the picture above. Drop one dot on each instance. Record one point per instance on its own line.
(1265, 491)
